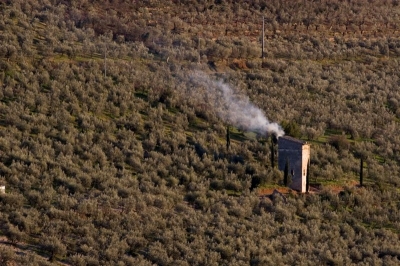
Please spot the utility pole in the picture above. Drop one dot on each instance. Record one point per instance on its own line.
(105, 60)
(198, 47)
(105, 52)
(262, 38)
(361, 172)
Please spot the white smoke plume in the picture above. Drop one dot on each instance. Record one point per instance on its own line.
(232, 107)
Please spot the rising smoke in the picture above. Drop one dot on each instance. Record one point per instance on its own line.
(232, 107)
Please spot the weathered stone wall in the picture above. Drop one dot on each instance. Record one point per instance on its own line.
(297, 152)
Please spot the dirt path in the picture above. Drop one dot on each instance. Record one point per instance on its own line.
(313, 189)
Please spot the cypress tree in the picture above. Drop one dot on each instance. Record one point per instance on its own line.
(361, 172)
(286, 173)
(272, 154)
(228, 138)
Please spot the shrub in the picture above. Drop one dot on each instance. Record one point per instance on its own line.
(340, 142)
(291, 128)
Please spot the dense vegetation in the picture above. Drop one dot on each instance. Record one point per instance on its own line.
(107, 160)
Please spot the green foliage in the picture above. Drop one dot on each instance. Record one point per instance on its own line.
(291, 128)
(55, 247)
(340, 142)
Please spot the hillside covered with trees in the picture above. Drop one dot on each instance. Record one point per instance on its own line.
(113, 133)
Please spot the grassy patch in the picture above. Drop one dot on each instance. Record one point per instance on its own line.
(109, 115)
(250, 135)
(271, 186)
(45, 88)
(198, 123)
(374, 225)
(7, 99)
(380, 158)
(233, 193)
(173, 110)
(346, 180)
(141, 95)
(239, 136)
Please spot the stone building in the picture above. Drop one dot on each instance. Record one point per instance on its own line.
(297, 153)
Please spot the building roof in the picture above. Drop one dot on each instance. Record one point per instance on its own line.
(289, 138)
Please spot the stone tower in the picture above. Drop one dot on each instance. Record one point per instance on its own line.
(297, 153)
